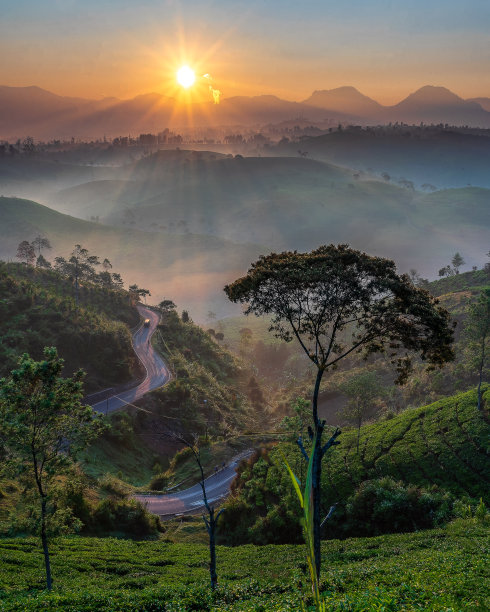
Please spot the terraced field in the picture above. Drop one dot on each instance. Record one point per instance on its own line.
(444, 444)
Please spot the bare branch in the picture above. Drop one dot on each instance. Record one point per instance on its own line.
(299, 442)
(330, 512)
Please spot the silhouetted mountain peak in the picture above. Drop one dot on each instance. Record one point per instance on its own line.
(346, 99)
(432, 95)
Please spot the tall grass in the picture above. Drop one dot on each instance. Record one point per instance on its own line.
(306, 502)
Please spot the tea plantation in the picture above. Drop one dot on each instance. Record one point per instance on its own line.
(443, 569)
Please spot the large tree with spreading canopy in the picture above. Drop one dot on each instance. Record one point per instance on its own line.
(336, 301)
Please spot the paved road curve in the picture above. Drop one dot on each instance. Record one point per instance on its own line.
(190, 501)
(157, 373)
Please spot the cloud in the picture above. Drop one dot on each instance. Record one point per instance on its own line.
(216, 93)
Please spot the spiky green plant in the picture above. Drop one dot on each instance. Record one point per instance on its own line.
(306, 502)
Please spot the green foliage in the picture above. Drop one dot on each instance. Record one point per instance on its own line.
(444, 569)
(306, 502)
(209, 393)
(37, 308)
(444, 445)
(335, 300)
(42, 425)
(386, 506)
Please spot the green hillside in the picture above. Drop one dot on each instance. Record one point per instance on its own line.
(154, 260)
(445, 444)
(37, 309)
(208, 396)
(443, 569)
(287, 202)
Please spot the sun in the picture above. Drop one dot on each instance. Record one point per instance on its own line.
(186, 76)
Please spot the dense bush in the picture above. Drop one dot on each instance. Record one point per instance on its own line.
(128, 517)
(387, 506)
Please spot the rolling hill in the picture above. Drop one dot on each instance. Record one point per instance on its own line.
(287, 203)
(37, 309)
(189, 268)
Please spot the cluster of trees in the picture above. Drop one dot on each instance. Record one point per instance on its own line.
(81, 266)
(26, 251)
(450, 270)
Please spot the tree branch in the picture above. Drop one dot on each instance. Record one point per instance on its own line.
(332, 441)
(299, 442)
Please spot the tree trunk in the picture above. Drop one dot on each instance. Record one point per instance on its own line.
(316, 475)
(482, 362)
(44, 539)
(212, 550)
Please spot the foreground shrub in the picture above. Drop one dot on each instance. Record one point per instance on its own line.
(388, 506)
(124, 516)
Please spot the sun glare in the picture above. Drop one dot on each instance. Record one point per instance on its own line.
(185, 76)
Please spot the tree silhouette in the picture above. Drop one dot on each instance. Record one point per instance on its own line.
(336, 301)
(26, 253)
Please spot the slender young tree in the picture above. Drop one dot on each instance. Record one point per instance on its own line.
(211, 520)
(42, 425)
(336, 301)
(361, 390)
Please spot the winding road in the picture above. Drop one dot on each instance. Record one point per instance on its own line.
(190, 500)
(157, 373)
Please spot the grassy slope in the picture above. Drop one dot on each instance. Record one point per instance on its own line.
(442, 569)
(38, 309)
(444, 444)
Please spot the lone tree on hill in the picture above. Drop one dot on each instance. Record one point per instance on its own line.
(42, 425)
(40, 243)
(336, 301)
(457, 262)
(26, 252)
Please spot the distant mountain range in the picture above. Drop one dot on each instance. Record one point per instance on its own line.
(39, 113)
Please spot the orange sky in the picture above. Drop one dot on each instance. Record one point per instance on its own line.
(121, 48)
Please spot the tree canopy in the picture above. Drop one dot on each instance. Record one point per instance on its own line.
(336, 300)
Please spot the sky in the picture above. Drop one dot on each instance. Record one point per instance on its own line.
(385, 48)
